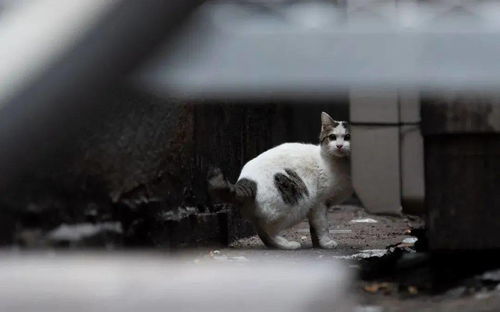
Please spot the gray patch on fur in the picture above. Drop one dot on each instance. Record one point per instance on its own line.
(324, 135)
(290, 186)
(245, 189)
(326, 132)
(220, 189)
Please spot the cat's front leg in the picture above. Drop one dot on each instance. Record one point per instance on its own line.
(318, 224)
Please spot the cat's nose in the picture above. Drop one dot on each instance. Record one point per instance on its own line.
(339, 146)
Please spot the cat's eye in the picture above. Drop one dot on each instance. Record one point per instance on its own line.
(332, 137)
(347, 137)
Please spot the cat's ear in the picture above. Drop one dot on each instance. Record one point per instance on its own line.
(327, 122)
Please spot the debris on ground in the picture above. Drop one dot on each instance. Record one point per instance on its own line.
(75, 232)
(491, 276)
(105, 233)
(340, 231)
(364, 254)
(384, 287)
(456, 292)
(412, 290)
(214, 252)
(365, 220)
(482, 295)
(410, 240)
(178, 213)
(216, 255)
(332, 231)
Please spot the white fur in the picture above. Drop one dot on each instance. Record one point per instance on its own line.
(323, 169)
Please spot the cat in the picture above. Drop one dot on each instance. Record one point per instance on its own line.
(290, 182)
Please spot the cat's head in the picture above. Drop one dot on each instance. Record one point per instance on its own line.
(335, 137)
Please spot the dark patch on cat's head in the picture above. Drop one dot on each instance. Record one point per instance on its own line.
(290, 186)
(328, 126)
(327, 122)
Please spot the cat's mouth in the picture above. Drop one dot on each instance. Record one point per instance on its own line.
(341, 152)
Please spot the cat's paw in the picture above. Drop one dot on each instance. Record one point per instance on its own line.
(292, 245)
(327, 243)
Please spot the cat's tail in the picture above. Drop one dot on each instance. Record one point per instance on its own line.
(219, 188)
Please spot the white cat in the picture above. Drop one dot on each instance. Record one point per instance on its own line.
(292, 181)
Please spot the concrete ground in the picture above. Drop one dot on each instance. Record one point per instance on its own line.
(351, 227)
(360, 235)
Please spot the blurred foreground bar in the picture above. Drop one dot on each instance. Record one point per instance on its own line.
(151, 282)
(56, 57)
(303, 49)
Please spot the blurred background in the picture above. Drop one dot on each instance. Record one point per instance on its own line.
(112, 113)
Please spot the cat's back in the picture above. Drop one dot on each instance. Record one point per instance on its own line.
(297, 156)
(285, 176)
